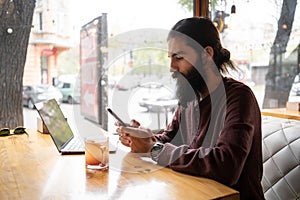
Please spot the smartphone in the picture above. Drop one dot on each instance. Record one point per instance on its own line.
(116, 117)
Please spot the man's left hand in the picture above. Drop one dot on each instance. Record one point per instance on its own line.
(139, 139)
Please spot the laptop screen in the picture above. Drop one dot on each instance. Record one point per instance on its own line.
(55, 122)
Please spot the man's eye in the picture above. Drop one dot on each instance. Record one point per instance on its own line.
(178, 57)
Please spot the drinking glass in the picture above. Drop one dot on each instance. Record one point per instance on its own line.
(97, 152)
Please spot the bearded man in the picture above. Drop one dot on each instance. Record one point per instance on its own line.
(216, 128)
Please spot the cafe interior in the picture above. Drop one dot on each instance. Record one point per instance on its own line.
(32, 167)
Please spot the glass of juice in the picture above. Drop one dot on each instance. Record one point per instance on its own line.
(97, 152)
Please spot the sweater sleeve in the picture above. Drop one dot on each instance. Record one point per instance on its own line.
(224, 161)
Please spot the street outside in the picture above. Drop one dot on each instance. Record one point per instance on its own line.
(125, 104)
(82, 126)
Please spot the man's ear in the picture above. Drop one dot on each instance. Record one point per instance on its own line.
(207, 55)
(210, 51)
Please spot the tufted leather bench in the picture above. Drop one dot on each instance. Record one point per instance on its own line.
(281, 158)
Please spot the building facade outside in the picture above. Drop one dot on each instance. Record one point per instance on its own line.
(50, 36)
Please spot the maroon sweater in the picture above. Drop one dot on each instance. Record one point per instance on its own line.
(219, 138)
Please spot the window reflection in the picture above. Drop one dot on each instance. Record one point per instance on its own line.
(262, 48)
(249, 34)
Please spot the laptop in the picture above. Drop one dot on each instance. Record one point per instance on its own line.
(61, 133)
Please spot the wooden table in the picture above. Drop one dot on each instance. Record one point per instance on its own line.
(32, 168)
(282, 113)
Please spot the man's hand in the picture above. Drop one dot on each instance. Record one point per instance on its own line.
(139, 139)
(124, 137)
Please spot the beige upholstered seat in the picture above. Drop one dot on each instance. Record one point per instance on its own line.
(281, 158)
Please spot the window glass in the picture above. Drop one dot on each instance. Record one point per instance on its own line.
(66, 85)
(250, 35)
(123, 16)
(40, 21)
(137, 53)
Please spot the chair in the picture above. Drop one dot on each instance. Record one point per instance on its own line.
(281, 157)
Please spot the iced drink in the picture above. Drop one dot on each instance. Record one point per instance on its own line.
(96, 152)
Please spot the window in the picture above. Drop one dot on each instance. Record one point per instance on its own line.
(66, 85)
(249, 35)
(39, 3)
(40, 21)
(44, 69)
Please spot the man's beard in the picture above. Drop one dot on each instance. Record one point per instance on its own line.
(190, 86)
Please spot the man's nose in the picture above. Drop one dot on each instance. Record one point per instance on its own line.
(173, 65)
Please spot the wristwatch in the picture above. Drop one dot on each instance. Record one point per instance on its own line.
(155, 150)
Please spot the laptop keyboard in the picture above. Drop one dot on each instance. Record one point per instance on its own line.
(75, 144)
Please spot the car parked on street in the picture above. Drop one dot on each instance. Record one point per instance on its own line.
(36, 93)
(70, 91)
(294, 95)
(295, 90)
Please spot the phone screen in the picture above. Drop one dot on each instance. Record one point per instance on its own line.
(116, 117)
